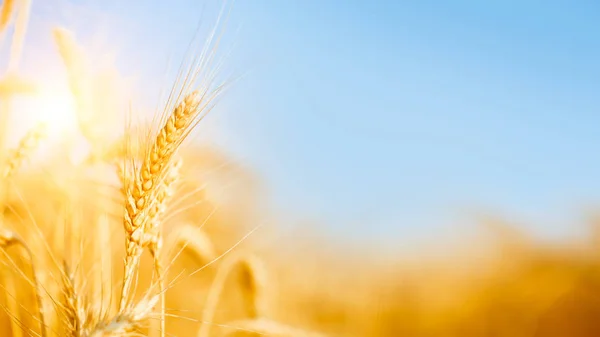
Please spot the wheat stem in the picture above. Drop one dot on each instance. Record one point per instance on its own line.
(7, 239)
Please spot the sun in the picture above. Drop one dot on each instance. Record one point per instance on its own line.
(55, 107)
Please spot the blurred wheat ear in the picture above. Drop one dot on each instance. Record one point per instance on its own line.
(192, 239)
(27, 145)
(251, 282)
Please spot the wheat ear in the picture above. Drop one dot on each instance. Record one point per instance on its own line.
(9, 238)
(253, 276)
(142, 192)
(192, 239)
(27, 145)
(73, 310)
(253, 282)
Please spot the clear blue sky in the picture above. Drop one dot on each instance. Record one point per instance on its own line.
(393, 118)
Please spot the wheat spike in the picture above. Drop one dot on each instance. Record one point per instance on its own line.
(252, 281)
(26, 146)
(193, 240)
(142, 193)
(72, 308)
(163, 195)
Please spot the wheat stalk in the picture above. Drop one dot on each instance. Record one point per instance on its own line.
(19, 35)
(80, 84)
(165, 192)
(127, 321)
(9, 238)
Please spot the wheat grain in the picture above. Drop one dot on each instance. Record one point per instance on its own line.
(73, 311)
(164, 193)
(7, 238)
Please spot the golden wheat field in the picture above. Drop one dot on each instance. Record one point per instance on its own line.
(133, 234)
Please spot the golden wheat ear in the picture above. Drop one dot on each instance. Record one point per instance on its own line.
(253, 277)
(266, 327)
(143, 191)
(72, 309)
(28, 144)
(253, 281)
(194, 241)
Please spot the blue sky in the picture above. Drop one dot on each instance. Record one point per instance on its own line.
(393, 119)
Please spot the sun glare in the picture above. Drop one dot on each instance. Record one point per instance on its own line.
(55, 107)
